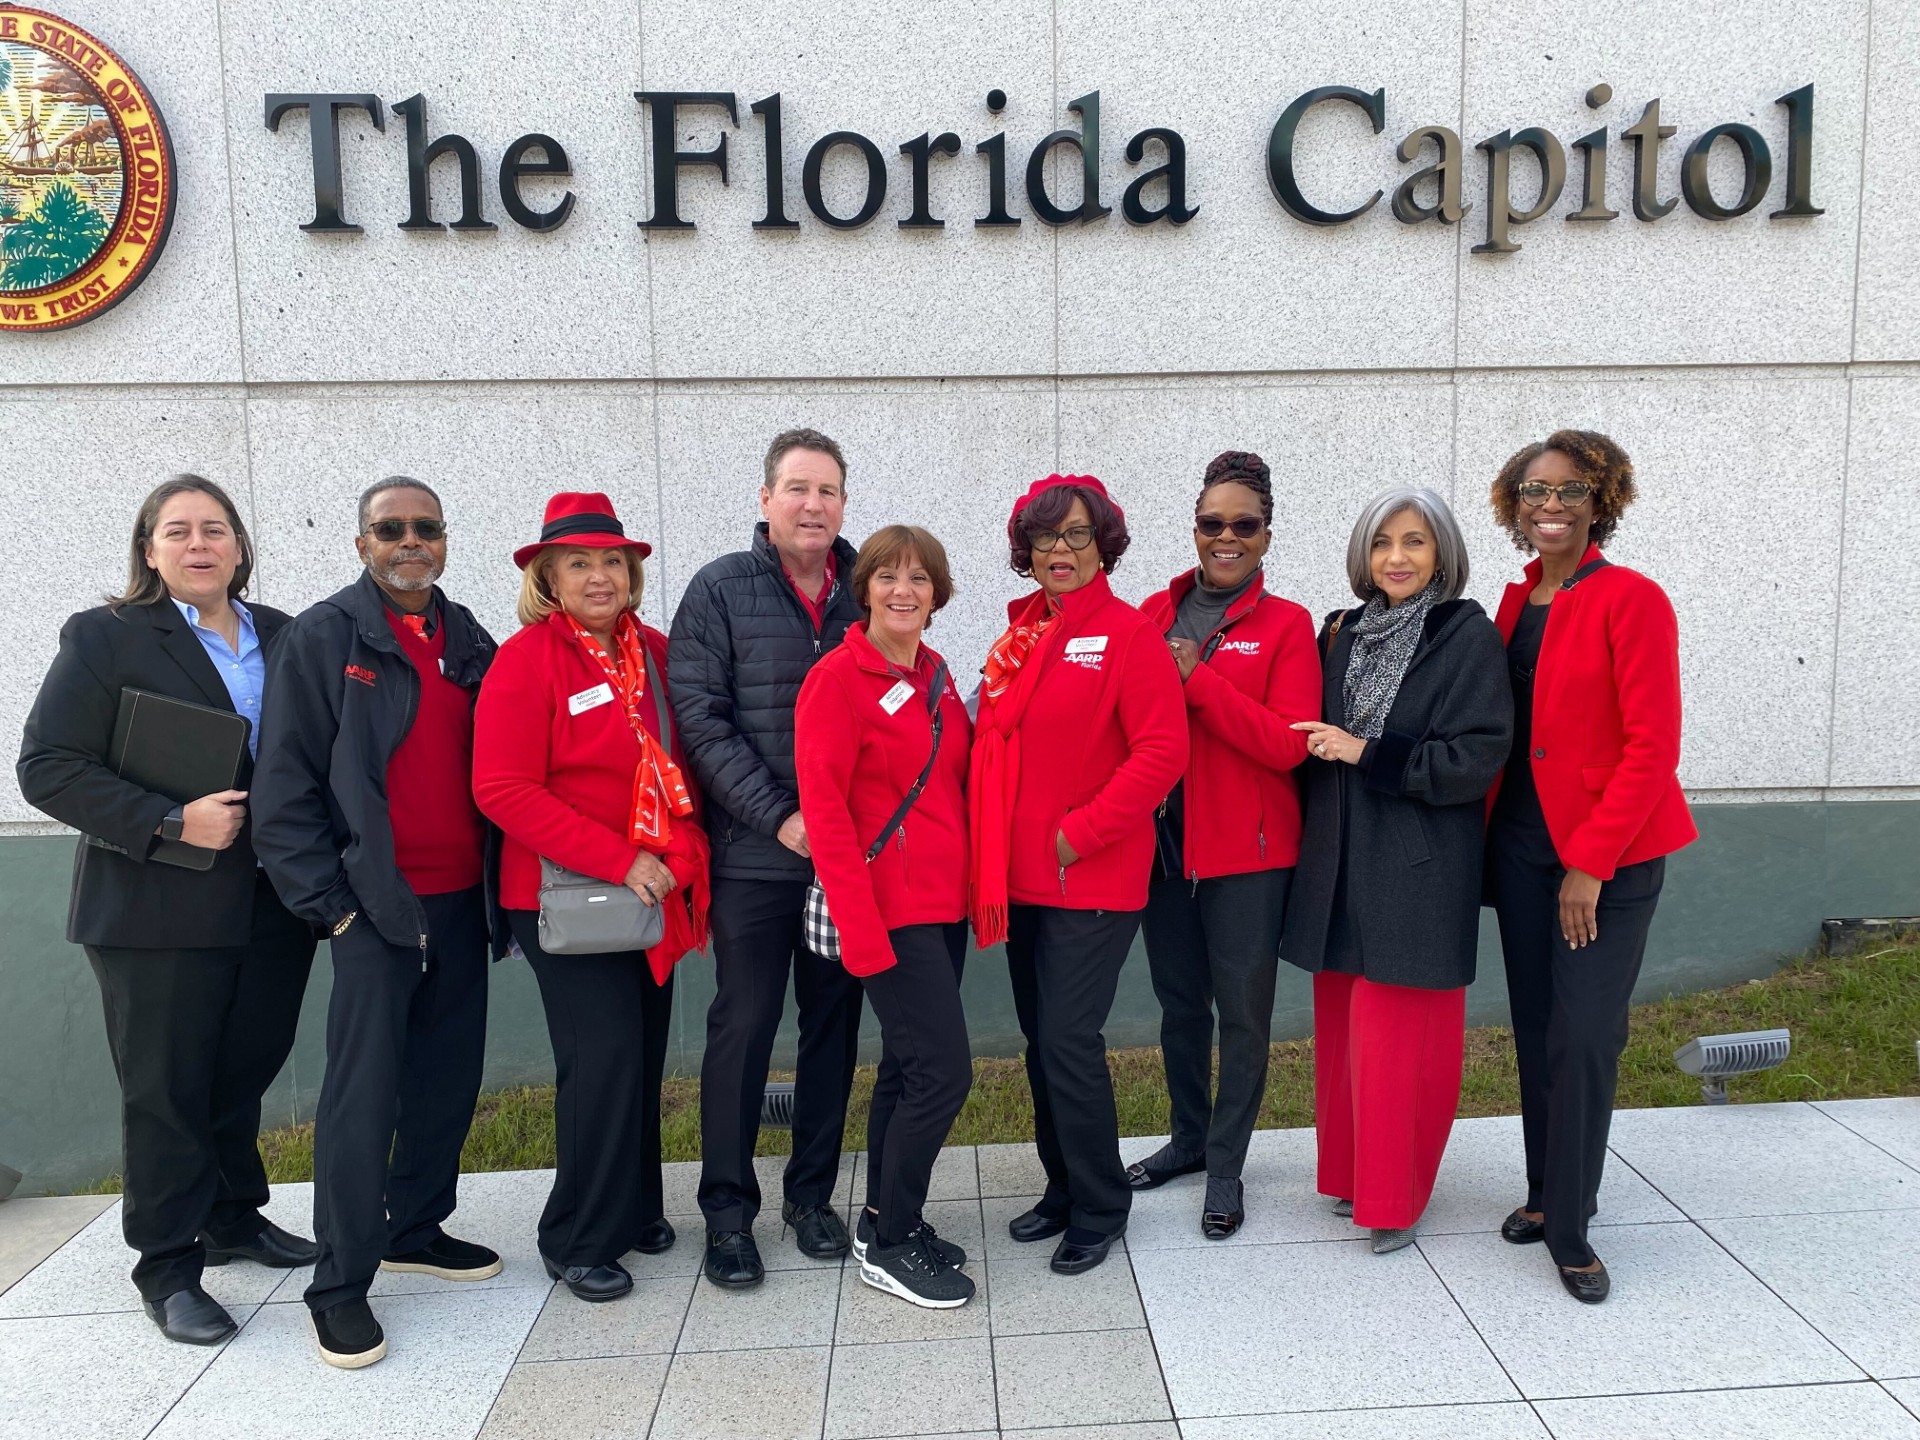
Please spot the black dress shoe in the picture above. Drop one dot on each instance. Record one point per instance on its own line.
(272, 1247)
(1589, 1287)
(447, 1258)
(818, 1230)
(733, 1260)
(1072, 1257)
(1148, 1175)
(192, 1317)
(592, 1283)
(348, 1336)
(655, 1238)
(1226, 1209)
(1516, 1229)
(1035, 1224)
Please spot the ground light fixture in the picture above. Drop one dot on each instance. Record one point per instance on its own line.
(1715, 1059)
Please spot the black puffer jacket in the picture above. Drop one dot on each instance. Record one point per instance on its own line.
(742, 643)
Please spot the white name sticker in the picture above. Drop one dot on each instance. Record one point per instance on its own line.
(601, 694)
(1087, 645)
(896, 697)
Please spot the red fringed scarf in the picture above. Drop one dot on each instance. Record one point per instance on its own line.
(1011, 675)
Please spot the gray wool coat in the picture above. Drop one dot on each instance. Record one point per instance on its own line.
(1408, 823)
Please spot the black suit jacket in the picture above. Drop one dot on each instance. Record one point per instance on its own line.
(122, 900)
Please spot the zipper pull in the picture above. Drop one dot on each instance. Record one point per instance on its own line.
(1263, 844)
(1196, 882)
(1063, 879)
(423, 954)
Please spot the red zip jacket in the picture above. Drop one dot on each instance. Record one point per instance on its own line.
(856, 759)
(1102, 743)
(1606, 719)
(560, 784)
(1242, 797)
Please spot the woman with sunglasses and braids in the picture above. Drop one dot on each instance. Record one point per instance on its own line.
(1228, 835)
(1588, 808)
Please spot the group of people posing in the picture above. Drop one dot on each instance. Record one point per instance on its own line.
(796, 780)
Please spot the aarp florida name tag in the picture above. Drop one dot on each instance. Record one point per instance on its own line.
(1087, 645)
(601, 694)
(896, 697)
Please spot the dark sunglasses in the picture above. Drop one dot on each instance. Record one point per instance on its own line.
(388, 531)
(1535, 492)
(1077, 538)
(1245, 528)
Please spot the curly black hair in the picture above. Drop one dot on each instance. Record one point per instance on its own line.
(1049, 508)
(1596, 459)
(1240, 467)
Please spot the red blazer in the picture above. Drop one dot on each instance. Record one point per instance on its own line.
(856, 762)
(1606, 719)
(560, 784)
(1242, 797)
(1102, 743)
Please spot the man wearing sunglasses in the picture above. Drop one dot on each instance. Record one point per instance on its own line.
(365, 821)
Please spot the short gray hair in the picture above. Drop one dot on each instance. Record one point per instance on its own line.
(394, 482)
(1450, 548)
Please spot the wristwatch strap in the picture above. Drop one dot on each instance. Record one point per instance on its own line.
(174, 824)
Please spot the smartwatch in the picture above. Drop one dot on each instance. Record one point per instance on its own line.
(174, 824)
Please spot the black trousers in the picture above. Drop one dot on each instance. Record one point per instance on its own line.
(406, 1036)
(1065, 967)
(756, 944)
(1216, 944)
(1569, 1021)
(196, 1037)
(607, 1019)
(926, 1070)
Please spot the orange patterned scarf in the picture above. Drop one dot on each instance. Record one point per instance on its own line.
(1006, 689)
(659, 789)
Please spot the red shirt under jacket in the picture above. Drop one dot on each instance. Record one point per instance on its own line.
(856, 762)
(560, 784)
(1242, 797)
(1103, 741)
(439, 840)
(1606, 719)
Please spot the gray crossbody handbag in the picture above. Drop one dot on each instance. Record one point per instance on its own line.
(580, 915)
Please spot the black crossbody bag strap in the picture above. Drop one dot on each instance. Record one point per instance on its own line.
(660, 710)
(935, 691)
(1599, 562)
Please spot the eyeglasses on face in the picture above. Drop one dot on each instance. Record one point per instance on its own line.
(1535, 492)
(388, 531)
(1244, 528)
(1078, 537)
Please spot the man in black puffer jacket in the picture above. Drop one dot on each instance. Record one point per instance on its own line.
(747, 630)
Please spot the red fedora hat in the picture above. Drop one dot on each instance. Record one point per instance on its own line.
(582, 519)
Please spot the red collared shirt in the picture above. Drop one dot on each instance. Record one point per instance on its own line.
(816, 608)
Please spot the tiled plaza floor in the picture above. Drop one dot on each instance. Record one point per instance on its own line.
(1766, 1264)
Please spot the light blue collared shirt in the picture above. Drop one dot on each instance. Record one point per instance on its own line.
(244, 671)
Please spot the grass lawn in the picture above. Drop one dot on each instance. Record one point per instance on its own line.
(1854, 1019)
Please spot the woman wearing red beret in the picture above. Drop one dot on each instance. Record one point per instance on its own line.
(571, 762)
(880, 745)
(1588, 809)
(1082, 732)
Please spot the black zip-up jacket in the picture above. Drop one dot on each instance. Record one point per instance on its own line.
(341, 697)
(742, 644)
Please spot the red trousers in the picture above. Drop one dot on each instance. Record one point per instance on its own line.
(1386, 1081)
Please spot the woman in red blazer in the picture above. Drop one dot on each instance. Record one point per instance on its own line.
(864, 737)
(1229, 834)
(1082, 732)
(569, 761)
(1589, 805)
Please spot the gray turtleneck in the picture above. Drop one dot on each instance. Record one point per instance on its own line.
(1203, 608)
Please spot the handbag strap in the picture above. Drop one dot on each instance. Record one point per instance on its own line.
(935, 692)
(1599, 562)
(664, 715)
(1333, 632)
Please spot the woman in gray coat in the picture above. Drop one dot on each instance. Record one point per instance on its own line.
(1385, 908)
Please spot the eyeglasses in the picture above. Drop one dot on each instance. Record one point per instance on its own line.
(1078, 537)
(1245, 528)
(388, 531)
(1535, 492)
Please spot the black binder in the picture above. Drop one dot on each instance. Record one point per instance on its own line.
(177, 749)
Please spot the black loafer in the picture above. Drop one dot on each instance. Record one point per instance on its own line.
(1142, 1175)
(192, 1317)
(592, 1283)
(447, 1258)
(1589, 1287)
(348, 1336)
(1036, 1224)
(1516, 1229)
(733, 1260)
(656, 1238)
(1072, 1259)
(273, 1247)
(818, 1230)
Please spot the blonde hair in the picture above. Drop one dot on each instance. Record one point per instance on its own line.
(536, 591)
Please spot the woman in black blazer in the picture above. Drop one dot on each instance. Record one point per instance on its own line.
(201, 972)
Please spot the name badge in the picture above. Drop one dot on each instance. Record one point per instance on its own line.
(896, 697)
(1087, 645)
(601, 694)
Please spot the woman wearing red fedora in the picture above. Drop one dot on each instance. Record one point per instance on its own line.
(1082, 732)
(575, 760)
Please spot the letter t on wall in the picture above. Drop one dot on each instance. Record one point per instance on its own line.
(323, 125)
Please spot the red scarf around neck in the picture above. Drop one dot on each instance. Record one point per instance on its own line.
(659, 789)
